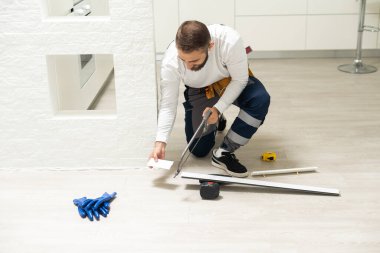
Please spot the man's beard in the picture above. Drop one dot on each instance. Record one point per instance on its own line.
(200, 66)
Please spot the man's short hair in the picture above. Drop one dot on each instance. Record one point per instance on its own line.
(192, 35)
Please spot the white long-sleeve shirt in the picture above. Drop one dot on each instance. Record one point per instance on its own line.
(227, 58)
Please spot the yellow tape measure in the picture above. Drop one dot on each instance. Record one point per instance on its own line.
(269, 156)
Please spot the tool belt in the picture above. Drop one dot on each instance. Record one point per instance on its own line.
(220, 86)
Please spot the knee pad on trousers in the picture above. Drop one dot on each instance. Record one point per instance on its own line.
(258, 107)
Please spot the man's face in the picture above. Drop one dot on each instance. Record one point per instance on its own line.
(195, 60)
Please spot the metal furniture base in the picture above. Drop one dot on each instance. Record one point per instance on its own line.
(357, 68)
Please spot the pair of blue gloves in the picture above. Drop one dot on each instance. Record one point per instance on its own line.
(94, 207)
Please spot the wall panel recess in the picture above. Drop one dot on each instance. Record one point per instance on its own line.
(272, 32)
(271, 7)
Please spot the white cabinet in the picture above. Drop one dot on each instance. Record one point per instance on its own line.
(169, 14)
(207, 11)
(270, 7)
(341, 6)
(338, 32)
(264, 33)
(274, 24)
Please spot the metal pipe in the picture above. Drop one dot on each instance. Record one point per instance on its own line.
(360, 32)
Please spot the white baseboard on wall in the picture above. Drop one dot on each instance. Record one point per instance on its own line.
(313, 54)
(349, 53)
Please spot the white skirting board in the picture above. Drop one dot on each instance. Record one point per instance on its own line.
(244, 181)
(283, 171)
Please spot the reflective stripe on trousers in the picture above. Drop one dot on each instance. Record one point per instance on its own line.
(253, 103)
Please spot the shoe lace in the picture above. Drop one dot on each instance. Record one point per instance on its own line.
(231, 155)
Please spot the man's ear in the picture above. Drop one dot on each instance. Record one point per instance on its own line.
(211, 45)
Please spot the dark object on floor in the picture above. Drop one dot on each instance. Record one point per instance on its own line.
(209, 190)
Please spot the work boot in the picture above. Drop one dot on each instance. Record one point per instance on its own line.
(227, 161)
(222, 123)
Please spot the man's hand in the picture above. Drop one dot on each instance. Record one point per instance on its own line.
(158, 151)
(214, 117)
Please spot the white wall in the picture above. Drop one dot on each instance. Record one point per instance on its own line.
(31, 134)
(274, 25)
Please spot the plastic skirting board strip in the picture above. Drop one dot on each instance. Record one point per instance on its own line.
(283, 171)
(244, 181)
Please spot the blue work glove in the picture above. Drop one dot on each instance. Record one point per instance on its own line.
(105, 198)
(94, 207)
(102, 204)
(81, 204)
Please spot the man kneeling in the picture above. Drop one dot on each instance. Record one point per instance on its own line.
(212, 63)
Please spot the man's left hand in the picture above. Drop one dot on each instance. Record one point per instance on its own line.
(214, 117)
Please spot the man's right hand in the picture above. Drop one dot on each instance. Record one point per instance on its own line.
(158, 151)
